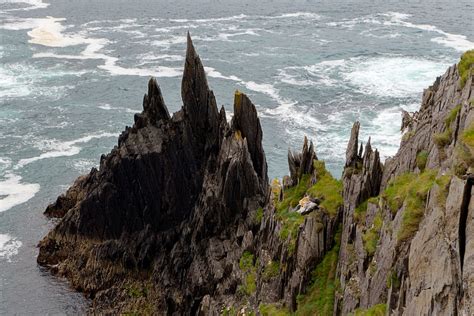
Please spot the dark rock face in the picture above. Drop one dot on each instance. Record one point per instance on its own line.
(175, 197)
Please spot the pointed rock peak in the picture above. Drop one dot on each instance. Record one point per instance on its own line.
(245, 115)
(246, 121)
(190, 51)
(305, 144)
(199, 103)
(153, 103)
(154, 108)
(194, 87)
(368, 148)
(352, 146)
(301, 163)
(361, 149)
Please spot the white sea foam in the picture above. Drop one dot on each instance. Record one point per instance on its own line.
(455, 41)
(10, 85)
(213, 73)
(21, 80)
(308, 15)
(55, 148)
(323, 73)
(228, 18)
(384, 131)
(31, 4)
(157, 71)
(84, 165)
(407, 76)
(5, 163)
(108, 107)
(8, 246)
(153, 57)
(48, 32)
(173, 40)
(14, 192)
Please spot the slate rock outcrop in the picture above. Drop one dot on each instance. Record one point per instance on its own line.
(174, 198)
(180, 219)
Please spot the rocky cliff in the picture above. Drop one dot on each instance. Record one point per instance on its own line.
(406, 239)
(180, 218)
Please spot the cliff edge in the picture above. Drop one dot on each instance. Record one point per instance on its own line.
(180, 217)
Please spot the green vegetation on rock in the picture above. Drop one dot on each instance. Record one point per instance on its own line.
(259, 215)
(443, 139)
(392, 280)
(319, 298)
(290, 220)
(246, 264)
(272, 269)
(421, 159)
(376, 310)
(273, 310)
(328, 189)
(408, 135)
(468, 135)
(411, 190)
(371, 236)
(452, 115)
(443, 183)
(465, 66)
(360, 211)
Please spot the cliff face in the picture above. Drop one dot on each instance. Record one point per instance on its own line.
(405, 244)
(180, 218)
(169, 206)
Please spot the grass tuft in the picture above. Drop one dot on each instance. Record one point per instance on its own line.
(328, 189)
(421, 160)
(246, 264)
(272, 310)
(465, 66)
(443, 182)
(452, 115)
(411, 190)
(376, 310)
(371, 236)
(442, 139)
(271, 270)
(319, 299)
(259, 215)
(361, 211)
(468, 135)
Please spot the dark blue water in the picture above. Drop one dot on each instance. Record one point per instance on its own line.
(72, 74)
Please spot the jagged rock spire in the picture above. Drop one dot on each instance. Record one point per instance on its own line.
(301, 163)
(352, 146)
(363, 169)
(245, 120)
(154, 107)
(199, 103)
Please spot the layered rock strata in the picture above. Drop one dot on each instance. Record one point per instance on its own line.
(180, 219)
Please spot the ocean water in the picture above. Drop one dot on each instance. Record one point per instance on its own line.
(72, 74)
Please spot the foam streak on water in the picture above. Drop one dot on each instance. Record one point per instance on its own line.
(14, 192)
(8, 247)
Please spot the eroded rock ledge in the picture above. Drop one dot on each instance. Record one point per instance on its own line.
(180, 218)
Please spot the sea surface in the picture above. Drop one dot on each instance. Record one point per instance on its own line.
(73, 73)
